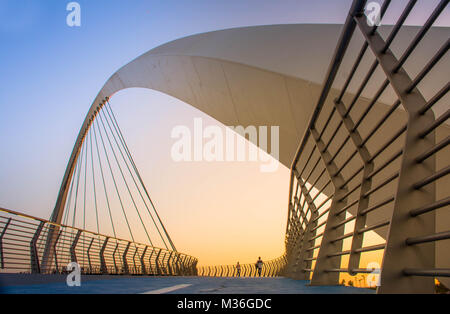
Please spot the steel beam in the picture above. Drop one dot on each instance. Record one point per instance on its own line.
(398, 255)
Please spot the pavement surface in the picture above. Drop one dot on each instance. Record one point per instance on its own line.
(56, 284)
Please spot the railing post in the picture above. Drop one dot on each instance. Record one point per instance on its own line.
(114, 257)
(398, 255)
(164, 264)
(366, 185)
(144, 269)
(194, 267)
(124, 259)
(73, 255)
(169, 267)
(305, 265)
(103, 267)
(176, 264)
(325, 259)
(54, 248)
(294, 251)
(150, 262)
(89, 257)
(134, 259)
(2, 261)
(35, 265)
(158, 269)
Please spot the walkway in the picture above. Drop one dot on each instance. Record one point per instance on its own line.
(39, 284)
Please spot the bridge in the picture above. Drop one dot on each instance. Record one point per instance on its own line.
(372, 158)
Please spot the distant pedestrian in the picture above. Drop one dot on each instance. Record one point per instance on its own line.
(259, 265)
(238, 270)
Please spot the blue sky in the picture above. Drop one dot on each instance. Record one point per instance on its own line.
(50, 74)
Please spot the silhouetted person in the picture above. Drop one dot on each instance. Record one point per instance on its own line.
(259, 265)
(238, 270)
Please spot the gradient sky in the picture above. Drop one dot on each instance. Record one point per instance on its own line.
(50, 74)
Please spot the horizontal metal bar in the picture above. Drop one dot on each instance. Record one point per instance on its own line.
(339, 149)
(385, 164)
(429, 238)
(324, 202)
(354, 270)
(320, 192)
(371, 248)
(310, 259)
(377, 205)
(315, 181)
(336, 270)
(347, 207)
(371, 104)
(339, 253)
(353, 71)
(316, 236)
(321, 215)
(439, 174)
(342, 237)
(441, 6)
(318, 226)
(352, 177)
(436, 98)
(382, 184)
(362, 86)
(442, 144)
(350, 192)
(429, 66)
(435, 124)
(388, 143)
(325, 126)
(430, 207)
(345, 163)
(381, 122)
(344, 41)
(344, 222)
(307, 161)
(312, 248)
(375, 226)
(438, 272)
(312, 169)
(399, 24)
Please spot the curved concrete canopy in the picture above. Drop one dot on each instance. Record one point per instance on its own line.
(264, 75)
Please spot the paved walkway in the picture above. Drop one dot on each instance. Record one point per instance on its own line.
(39, 284)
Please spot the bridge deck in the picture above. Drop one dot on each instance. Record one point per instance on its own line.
(185, 285)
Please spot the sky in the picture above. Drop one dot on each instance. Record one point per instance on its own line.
(50, 74)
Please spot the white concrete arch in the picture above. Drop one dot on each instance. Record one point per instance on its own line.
(263, 75)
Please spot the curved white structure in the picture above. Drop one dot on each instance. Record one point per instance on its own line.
(264, 75)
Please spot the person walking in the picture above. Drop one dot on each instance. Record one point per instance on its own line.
(238, 270)
(259, 265)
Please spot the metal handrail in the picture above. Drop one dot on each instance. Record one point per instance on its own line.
(96, 253)
(333, 134)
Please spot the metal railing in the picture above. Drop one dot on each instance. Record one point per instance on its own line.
(363, 166)
(272, 268)
(23, 239)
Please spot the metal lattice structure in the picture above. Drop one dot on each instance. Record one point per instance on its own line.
(272, 268)
(23, 239)
(374, 159)
(363, 167)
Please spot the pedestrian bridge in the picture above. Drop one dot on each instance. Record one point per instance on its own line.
(363, 115)
(50, 284)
